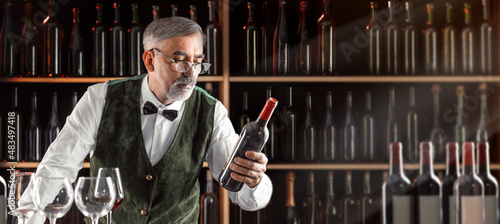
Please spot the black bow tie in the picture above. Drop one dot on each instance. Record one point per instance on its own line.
(150, 108)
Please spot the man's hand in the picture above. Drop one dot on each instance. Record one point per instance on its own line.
(252, 171)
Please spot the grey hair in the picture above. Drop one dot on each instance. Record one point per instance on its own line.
(165, 28)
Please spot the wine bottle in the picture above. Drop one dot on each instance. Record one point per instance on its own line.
(53, 127)
(8, 46)
(460, 127)
(349, 135)
(437, 133)
(412, 129)
(410, 41)
(13, 130)
(292, 217)
(252, 39)
(368, 130)
(327, 34)
(209, 203)
(328, 138)
(244, 117)
(271, 145)
(34, 146)
(3, 200)
(349, 204)
(53, 39)
(305, 53)
(193, 14)
(267, 41)
(156, 12)
(214, 40)
(374, 30)
(118, 44)
(100, 51)
(396, 190)
(369, 203)
(392, 132)
(490, 183)
(252, 138)
(30, 46)
(393, 39)
(430, 39)
(309, 133)
(74, 100)
(452, 174)
(468, 190)
(175, 10)
(449, 42)
(468, 42)
(426, 189)
(312, 203)
(486, 39)
(281, 45)
(330, 214)
(76, 54)
(135, 43)
(482, 129)
(289, 135)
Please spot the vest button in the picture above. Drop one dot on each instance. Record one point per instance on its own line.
(144, 212)
(149, 177)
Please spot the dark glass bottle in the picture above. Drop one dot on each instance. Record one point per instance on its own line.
(437, 133)
(460, 127)
(209, 201)
(468, 190)
(253, 137)
(267, 31)
(100, 49)
(74, 100)
(156, 12)
(175, 10)
(490, 183)
(482, 129)
(396, 190)
(449, 42)
(193, 14)
(327, 34)
(369, 203)
(214, 43)
(292, 217)
(349, 135)
(34, 137)
(487, 40)
(118, 44)
(30, 47)
(330, 214)
(374, 30)
(309, 133)
(410, 41)
(53, 127)
(452, 174)
(329, 140)
(13, 130)
(305, 50)
(312, 203)
(135, 43)
(289, 136)
(430, 40)
(368, 130)
(281, 45)
(393, 34)
(252, 41)
(392, 132)
(349, 204)
(244, 117)
(271, 146)
(52, 46)
(9, 46)
(412, 129)
(468, 42)
(76, 53)
(426, 189)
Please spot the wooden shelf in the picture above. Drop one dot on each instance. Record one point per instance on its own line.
(87, 79)
(364, 79)
(353, 166)
(26, 165)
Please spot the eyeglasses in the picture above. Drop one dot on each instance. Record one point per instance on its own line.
(184, 66)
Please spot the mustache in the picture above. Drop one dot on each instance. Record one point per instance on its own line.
(185, 80)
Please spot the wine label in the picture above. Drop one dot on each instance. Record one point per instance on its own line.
(472, 209)
(429, 209)
(490, 209)
(401, 209)
(453, 211)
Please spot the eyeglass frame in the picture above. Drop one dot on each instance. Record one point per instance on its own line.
(184, 61)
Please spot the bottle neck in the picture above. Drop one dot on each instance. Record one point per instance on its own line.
(290, 201)
(174, 10)
(326, 7)
(14, 97)
(348, 183)
(245, 101)
(412, 97)
(452, 159)
(468, 161)
(482, 120)
(309, 106)
(52, 12)
(76, 17)
(483, 158)
(368, 105)
(74, 100)
(290, 97)
(373, 11)
(29, 15)
(192, 13)
(283, 11)
(54, 112)
(117, 13)
(366, 185)
(392, 103)
(430, 9)
(209, 187)
(310, 183)
(390, 6)
(135, 14)
(436, 108)
(99, 13)
(449, 12)
(211, 11)
(486, 10)
(426, 163)
(460, 97)
(329, 184)
(250, 12)
(396, 164)
(33, 103)
(409, 16)
(156, 12)
(467, 13)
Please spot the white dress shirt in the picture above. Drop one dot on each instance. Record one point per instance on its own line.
(77, 139)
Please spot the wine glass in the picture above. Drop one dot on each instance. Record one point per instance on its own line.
(22, 205)
(53, 196)
(95, 196)
(114, 173)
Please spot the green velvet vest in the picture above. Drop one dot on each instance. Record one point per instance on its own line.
(172, 195)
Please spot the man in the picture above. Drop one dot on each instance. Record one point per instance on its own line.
(157, 128)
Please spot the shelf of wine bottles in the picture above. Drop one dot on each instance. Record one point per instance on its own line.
(363, 79)
(89, 80)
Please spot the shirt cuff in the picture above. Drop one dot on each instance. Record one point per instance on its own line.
(253, 199)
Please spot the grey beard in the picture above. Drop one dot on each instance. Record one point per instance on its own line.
(178, 94)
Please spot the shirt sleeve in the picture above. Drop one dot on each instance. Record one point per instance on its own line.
(223, 140)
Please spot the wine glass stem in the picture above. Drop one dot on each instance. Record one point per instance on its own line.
(53, 221)
(108, 217)
(95, 220)
(21, 221)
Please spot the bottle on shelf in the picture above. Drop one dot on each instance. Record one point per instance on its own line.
(369, 203)
(328, 132)
(175, 10)
(118, 53)
(281, 45)
(393, 34)
(437, 133)
(349, 204)
(74, 99)
(349, 132)
(193, 14)
(491, 212)
(374, 30)
(410, 39)
(312, 203)
(76, 54)
(327, 34)
(214, 40)
(244, 117)
(487, 40)
(309, 133)
(289, 135)
(271, 146)
(156, 12)
(392, 132)
(430, 41)
(396, 190)
(100, 47)
(468, 190)
(452, 174)
(30, 46)
(467, 41)
(53, 127)
(211, 90)
(267, 32)
(13, 130)
(252, 42)
(34, 147)
(305, 50)
(368, 130)
(3, 200)
(412, 140)
(252, 138)
(330, 213)
(460, 127)
(53, 39)
(450, 48)
(209, 203)
(292, 217)
(482, 129)
(426, 189)
(136, 66)
(8, 46)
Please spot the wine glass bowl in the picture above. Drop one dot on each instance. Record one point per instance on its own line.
(53, 196)
(114, 173)
(95, 196)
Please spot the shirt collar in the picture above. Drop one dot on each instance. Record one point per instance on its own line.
(147, 95)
